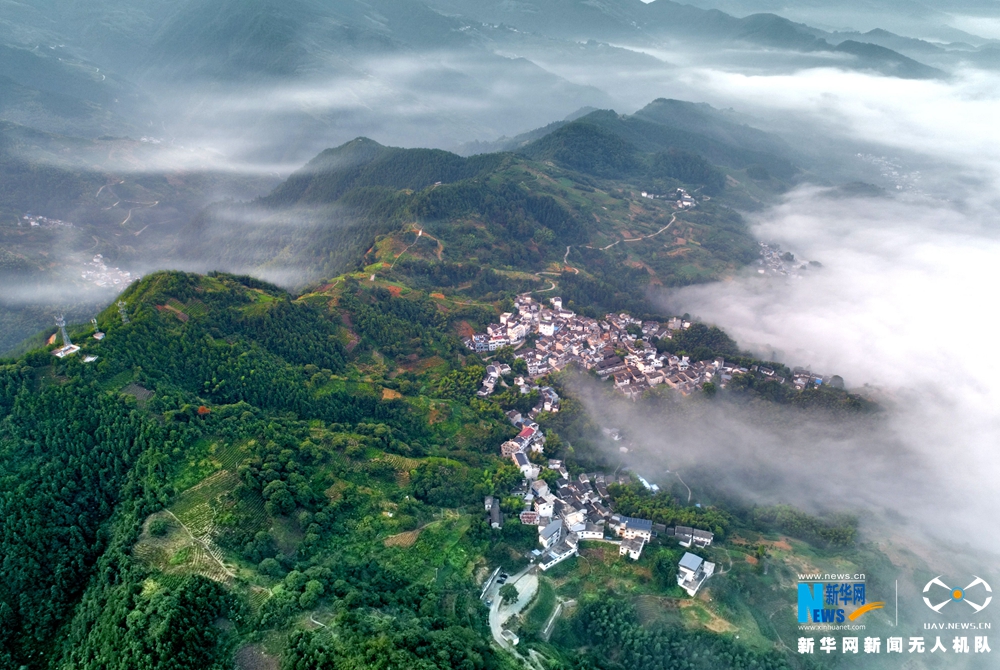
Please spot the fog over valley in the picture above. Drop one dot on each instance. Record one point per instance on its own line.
(380, 307)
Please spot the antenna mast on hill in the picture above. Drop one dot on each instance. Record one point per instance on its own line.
(61, 322)
(121, 310)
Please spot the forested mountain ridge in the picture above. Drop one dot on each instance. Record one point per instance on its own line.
(647, 134)
(237, 461)
(569, 202)
(665, 124)
(577, 186)
(253, 41)
(76, 487)
(365, 163)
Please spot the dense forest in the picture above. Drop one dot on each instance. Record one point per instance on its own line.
(78, 484)
(306, 435)
(592, 149)
(237, 470)
(611, 625)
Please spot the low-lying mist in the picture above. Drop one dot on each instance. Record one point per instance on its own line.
(906, 301)
(754, 451)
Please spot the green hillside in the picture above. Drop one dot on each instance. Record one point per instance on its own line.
(364, 163)
(655, 130)
(722, 126)
(664, 125)
(568, 203)
(568, 207)
(240, 474)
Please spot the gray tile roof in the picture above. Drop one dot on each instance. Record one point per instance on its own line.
(551, 529)
(691, 562)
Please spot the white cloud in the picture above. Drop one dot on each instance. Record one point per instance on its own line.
(907, 300)
(953, 120)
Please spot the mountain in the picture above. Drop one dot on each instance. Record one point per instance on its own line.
(658, 128)
(31, 182)
(212, 68)
(53, 111)
(262, 39)
(886, 61)
(771, 30)
(322, 218)
(52, 91)
(267, 38)
(234, 461)
(47, 70)
(925, 19)
(904, 45)
(568, 198)
(675, 124)
(720, 125)
(574, 190)
(651, 24)
(232, 39)
(267, 83)
(365, 163)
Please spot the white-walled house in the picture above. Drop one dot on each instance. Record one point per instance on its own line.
(692, 571)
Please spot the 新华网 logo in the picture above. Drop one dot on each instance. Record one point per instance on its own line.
(828, 603)
(968, 595)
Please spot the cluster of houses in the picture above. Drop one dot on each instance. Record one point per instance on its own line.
(681, 198)
(801, 378)
(98, 273)
(580, 508)
(617, 348)
(492, 378)
(565, 338)
(43, 222)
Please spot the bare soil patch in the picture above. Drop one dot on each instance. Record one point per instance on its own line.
(253, 657)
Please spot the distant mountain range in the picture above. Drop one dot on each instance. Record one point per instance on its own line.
(664, 125)
(130, 118)
(651, 23)
(317, 69)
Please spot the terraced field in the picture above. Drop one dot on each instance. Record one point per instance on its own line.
(403, 540)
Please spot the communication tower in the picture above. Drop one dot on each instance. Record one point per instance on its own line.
(61, 322)
(68, 348)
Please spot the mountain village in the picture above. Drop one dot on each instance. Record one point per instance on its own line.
(618, 348)
(565, 338)
(580, 508)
